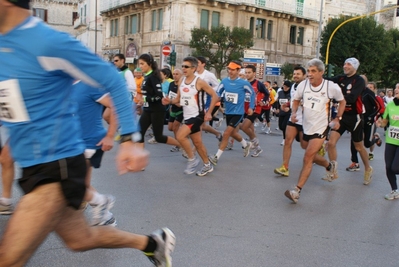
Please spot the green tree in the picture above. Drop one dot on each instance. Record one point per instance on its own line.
(287, 70)
(220, 45)
(361, 38)
(390, 74)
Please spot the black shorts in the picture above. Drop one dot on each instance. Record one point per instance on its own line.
(176, 116)
(298, 127)
(323, 135)
(252, 117)
(95, 160)
(69, 172)
(195, 123)
(234, 120)
(352, 124)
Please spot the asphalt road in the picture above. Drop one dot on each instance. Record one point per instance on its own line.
(238, 215)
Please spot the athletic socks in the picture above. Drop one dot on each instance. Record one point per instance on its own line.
(219, 153)
(243, 143)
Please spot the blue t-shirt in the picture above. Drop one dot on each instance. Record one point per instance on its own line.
(233, 92)
(90, 113)
(38, 67)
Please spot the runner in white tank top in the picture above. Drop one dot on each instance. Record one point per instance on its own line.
(192, 97)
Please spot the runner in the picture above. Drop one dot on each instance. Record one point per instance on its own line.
(192, 97)
(233, 90)
(352, 86)
(315, 94)
(45, 139)
(7, 174)
(261, 97)
(176, 112)
(91, 102)
(293, 130)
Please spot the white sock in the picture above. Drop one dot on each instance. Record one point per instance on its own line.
(243, 143)
(219, 153)
(97, 199)
(5, 201)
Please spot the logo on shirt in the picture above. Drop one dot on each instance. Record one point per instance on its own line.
(186, 90)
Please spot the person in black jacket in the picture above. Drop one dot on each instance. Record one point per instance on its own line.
(352, 86)
(283, 107)
(153, 110)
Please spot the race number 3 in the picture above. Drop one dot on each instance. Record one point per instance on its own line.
(12, 105)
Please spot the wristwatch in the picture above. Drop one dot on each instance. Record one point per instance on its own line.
(135, 137)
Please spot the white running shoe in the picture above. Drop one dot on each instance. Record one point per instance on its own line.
(166, 242)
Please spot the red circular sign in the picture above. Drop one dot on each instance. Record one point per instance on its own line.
(166, 50)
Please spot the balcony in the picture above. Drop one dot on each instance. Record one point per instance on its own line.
(80, 22)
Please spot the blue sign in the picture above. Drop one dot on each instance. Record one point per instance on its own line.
(254, 60)
(273, 71)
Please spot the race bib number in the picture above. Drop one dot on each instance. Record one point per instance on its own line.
(314, 103)
(247, 97)
(12, 105)
(231, 97)
(187, 101)
(145, 104)
(172, 95)
(394, 132)
(283, 101)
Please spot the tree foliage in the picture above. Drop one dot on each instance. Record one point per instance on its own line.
(390, 74)
(363, 39)
(220, 45)
(287, 70)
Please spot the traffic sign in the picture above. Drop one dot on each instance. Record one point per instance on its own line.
(166, 50)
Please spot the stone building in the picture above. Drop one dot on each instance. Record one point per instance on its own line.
(59, 14)
(286, 30)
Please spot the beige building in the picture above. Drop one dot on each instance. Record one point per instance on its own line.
(286, 30)
(58, 14)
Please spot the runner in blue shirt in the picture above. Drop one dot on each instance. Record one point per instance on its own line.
(39, 66)
(233, 89)
(91, 103)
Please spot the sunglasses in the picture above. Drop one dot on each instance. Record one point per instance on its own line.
(186, 66)
(116, 60)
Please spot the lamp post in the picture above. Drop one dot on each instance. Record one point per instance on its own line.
(319, 33)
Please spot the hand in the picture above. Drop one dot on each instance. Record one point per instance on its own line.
(165, 101)
(107, 143)
(131, 158)
(378, 123)
(293, 118)
(208, 116)
(250, 111)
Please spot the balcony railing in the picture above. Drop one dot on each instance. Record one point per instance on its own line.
(293, 7)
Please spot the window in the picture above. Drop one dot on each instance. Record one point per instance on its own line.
(292, 34)
(251, 25)
(301, 31)
(204, 23)
(269, 29)
(40, 13)
(154, 21)
(157, 20)
(299, 7)
(127, 23)
(160, 19)
(215, 19)
(75, 16)
(135, 23)
(114, 26)
(260, 28)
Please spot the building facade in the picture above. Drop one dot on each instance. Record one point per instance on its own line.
(57, 14)
(88, 26)
(286, 30)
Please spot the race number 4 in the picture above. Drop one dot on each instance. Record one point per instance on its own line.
(12, 105)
